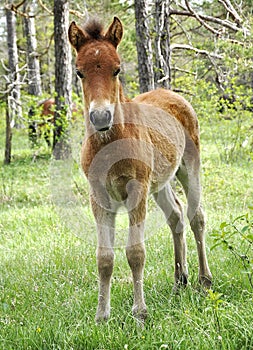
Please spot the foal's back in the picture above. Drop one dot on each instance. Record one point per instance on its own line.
(176, 106)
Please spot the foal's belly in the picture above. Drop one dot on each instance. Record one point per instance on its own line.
(133, 178)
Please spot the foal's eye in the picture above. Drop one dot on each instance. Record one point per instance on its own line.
(79, 74)
(116, 72)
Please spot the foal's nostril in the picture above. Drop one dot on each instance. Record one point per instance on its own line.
(102, 120)
(107, 116)
(93, 117)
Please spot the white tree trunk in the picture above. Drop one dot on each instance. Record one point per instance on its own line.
(34, 80)
(162, 44)
(14, 102)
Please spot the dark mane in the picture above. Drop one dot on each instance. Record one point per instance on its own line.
(94, 29)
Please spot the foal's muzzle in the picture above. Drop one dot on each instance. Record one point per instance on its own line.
(102, 120)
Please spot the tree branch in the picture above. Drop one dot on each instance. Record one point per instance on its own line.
(73, 12)
(209, 55)
(13, 8)
(45, 8)
(191, 48)
(12, 84)
(185, 32)
(224, 23)
(229, 7)
(212, 30)
(20, 4)
(182, 91)
(177, 69)
(4, 66)
(77, 13)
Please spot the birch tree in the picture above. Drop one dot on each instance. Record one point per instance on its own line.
(12, 93)
(162, 74)
(14, 104)
(33, 64)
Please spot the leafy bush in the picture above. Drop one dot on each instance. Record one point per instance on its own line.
(230, 118)
(236, 237)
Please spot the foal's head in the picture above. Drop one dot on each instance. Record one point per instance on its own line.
(98, 66)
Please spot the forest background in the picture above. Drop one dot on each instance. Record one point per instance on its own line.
(48, 288)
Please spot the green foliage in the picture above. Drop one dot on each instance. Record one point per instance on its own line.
(33, 118)
(236, 237)
(230, 120)
(48, 280)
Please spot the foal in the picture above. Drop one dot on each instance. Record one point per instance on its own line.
(132, 149)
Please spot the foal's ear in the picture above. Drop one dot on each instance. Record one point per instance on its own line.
(77, 36)
(115, 32)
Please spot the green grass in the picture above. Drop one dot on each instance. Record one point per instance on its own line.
(48, 276)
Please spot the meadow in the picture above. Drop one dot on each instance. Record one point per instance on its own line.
(48, 275)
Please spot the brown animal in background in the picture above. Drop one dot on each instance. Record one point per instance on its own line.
(43, 126)
(48, 109)
(132, 149)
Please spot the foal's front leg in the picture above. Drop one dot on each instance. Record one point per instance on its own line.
(136, 254)
(105, 258)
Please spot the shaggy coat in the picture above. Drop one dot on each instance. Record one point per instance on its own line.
(131, 149)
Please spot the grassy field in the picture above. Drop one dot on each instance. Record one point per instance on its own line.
(48, 276)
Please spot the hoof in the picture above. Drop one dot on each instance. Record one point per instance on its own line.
(101, 319)
(205, 281)
(180, 283)
(102, 316)
(140, 313)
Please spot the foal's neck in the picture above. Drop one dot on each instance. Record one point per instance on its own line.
(122, 97)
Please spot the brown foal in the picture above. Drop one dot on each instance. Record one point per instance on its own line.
(131, 149)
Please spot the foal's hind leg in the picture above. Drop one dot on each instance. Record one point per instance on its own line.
(189, 176)
(198, 226)
(170, 205)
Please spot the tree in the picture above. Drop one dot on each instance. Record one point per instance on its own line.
(162, 74)
(14, 76)
(203, 32)
(34, 81)
(12, 93)
(144, 45)
(8, 135)
(182, 37)
(63, 77)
